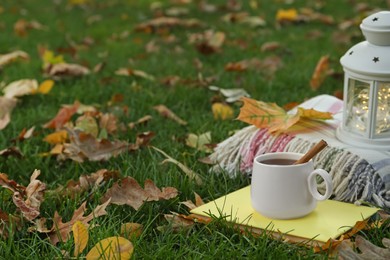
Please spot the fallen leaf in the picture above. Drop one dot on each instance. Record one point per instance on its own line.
(8, 58)
(84, 146)
(24, 134)
(231, 95)
(33, 195)
(87, 124)
(21, 26)
(166, 22)
(143, 120)
(60, 230)
(190, 173)
(264, 115)
(49, 58)
(210, 42)
(129, 192)
(46, 86)
(131, 230)
(320, 72)
(6, 107)
(270, 46)
(191, 205)
(58, 137)
(108, 122)
(111, 248)
(286, 15)
(314, 114)
(368, 250)
(131, 72)
(20, 88)
(11, 151)
(166, 112)
(199, 142)
(177, 223)
(63, 116)
(222, 111)
(65, 70)
(80, 235)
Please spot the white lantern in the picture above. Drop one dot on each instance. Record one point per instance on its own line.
(366, 110)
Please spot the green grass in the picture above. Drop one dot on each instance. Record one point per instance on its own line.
(65, 24)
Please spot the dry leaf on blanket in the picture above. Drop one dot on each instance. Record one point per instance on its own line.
(190, 173)
(129, 192)
(273, 117)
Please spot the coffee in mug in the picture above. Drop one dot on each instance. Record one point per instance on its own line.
(281, 189)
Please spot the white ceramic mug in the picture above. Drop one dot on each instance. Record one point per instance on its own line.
(286, 191)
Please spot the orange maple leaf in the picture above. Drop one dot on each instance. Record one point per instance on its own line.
(273, 117)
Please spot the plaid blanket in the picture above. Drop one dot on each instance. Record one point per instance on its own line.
(359, 175)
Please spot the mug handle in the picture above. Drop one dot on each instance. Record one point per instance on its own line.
(313, 184)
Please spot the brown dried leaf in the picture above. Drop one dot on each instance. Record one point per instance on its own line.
(131, 72)
(166, 112)
(109, 122)
(6, 107)
(210, 42)
(60, 230)
(142, 121)
(129, 192)
(8, 58)
(20, 88)
(65, 70)
(21, 26)
(34, 194)
(368, 250)
(166, 22)
(84, 146)
(11, 151)
(11, 184)
(63, 116)
(320, 72)
(198, 202)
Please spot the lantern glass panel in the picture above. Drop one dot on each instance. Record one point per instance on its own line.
(383, 108)
(357, 105)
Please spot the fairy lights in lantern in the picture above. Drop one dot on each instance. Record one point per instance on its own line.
(366, 112)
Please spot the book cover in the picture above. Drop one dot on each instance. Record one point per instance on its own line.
(330, 219)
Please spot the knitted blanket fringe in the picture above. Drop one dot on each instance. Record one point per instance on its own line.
(354, 179)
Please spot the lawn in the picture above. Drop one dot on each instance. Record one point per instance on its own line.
(134, 67)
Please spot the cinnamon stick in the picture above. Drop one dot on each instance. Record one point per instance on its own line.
(312, 152)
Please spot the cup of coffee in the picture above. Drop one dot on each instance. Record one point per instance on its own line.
(281, 189)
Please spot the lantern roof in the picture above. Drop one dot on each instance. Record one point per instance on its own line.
(371, 57)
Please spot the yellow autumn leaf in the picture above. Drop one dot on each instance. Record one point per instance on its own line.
(222, 111)
(289, 15)
(273, 117)
(266, 115)
(58, 137)
(199, 142)
(80, 234)
(46, 86)
(314, 114)
(111, 248)
(48, 57)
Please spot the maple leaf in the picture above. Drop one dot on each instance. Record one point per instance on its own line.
(84, 146)
(89, 182)
(129, 192)
(63, 116)
(8, 58)
(273, 117)
(60, 230)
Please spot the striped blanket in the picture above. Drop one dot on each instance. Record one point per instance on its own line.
(359, 175)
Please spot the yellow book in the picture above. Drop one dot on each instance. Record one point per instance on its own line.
(330, 219)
